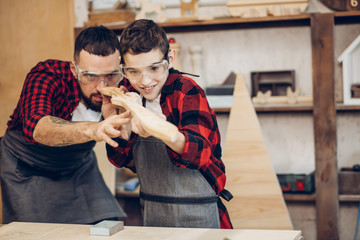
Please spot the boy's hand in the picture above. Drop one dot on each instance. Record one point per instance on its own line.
(137, 127)
(107, 108)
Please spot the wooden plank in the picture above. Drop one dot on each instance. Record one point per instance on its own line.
(326, 178)
(46, 231)
(258, 201)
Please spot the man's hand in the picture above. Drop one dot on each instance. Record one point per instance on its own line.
(57, 132)
(112, 127)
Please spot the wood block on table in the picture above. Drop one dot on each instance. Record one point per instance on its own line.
(106, 228)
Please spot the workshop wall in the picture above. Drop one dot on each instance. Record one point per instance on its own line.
(31, 31)
(288, 136)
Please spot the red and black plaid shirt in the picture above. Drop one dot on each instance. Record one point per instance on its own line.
(49, 89)
(185, 105)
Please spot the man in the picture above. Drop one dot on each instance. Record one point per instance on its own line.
(49, 171)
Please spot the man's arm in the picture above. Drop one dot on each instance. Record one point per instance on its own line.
(57, 132)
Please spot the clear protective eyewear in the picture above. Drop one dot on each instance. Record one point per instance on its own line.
(154, 70)
(94, 78)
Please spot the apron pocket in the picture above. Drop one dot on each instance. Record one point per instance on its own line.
(181, 215)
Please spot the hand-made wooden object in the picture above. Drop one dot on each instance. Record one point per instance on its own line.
(258, 202)
(263, 8)
(290, 98)
(342, 5)
(151, 8)
(152, 123)
(119, 14)
(276, 81)
(189, 8)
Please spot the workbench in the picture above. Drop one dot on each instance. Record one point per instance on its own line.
(51, 231)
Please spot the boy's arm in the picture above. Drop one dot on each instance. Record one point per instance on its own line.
(176, 142)
(178, 145)
(197, 123)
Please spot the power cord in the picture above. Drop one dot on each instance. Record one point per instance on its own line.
(357, 224)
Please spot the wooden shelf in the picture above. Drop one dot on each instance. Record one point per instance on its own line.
(237, 22)
(299, 197)
(283, 108)
(292, 108)
(224, 23)
(274, 108)
(342, 107)
(312, 197)
(349, 198)
(347, 17)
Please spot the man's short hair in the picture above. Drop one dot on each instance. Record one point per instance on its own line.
(97, 40)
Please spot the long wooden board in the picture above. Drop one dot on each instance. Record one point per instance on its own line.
(48, 231)
(258, 202)
(326, 170)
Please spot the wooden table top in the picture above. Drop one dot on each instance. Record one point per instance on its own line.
(51, 231)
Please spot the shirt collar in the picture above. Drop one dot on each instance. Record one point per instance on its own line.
(169, 87)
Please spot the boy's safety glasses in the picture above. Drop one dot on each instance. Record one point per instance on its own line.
(154, 70)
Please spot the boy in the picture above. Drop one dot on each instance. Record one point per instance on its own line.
(181, 181)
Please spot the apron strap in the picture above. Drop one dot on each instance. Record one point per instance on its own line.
(225, 194)
(179, 200)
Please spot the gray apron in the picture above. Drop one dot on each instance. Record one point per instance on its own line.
(171, 196)
(53, 184)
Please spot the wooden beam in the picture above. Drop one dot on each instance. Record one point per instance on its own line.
(326, 178)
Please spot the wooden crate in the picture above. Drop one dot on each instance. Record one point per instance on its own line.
(108, 17)
(349, 182)
(276, 81)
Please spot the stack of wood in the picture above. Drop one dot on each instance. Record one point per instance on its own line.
(263, 8)
(120, 13)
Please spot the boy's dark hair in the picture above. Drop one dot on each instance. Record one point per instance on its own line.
(97, 40)
(142, 36)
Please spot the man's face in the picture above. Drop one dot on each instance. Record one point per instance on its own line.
(91, 92)
(147, 72)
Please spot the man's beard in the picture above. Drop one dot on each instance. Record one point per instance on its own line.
(89, 103)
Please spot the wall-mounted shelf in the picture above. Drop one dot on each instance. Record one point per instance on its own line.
(283, 108)
(312, 197)
(234, 23)
(292, 108)
(224, 23)
(299, 197)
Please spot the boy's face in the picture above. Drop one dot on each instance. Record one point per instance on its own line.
(147, 72)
